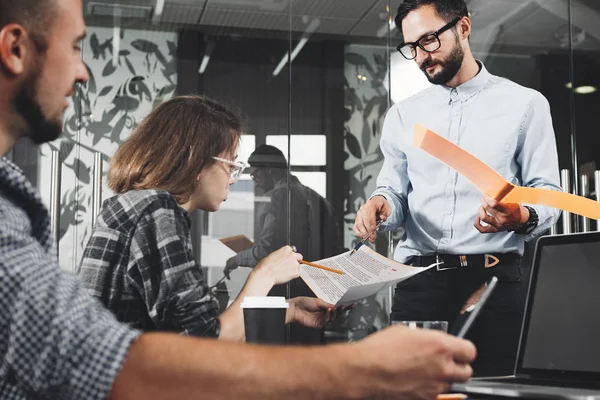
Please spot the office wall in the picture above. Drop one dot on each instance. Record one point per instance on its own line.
(125, 84)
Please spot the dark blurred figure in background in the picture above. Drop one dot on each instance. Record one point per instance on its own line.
(313, 228)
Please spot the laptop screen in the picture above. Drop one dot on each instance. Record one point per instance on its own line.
(561, 328)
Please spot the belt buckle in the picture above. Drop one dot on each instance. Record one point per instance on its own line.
(440, 262)
(490, 260)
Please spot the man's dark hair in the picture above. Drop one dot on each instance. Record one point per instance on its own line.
(446, 9)
(36, 16)
(267, 156)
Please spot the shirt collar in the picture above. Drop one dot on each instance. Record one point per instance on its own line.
(18, 190)
(472, 86)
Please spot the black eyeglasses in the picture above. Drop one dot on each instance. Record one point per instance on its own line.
(429, 43)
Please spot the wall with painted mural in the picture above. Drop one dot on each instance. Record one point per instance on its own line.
(366, 102)
(125, 84)
(372, 85)
(373, 82)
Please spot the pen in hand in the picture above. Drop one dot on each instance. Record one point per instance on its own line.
(359, 244)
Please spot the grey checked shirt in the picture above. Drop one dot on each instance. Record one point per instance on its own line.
(56, 341)
(139, 262)
(507, 126)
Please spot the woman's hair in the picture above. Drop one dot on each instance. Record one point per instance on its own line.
(173, 144)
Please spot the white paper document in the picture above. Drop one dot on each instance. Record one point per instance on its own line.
(214, 254)
(366, 272)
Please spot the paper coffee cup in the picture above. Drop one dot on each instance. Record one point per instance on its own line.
(264, 319)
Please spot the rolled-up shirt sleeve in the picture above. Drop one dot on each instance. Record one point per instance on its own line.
(538, 159)
(393, 182)
(56, 341)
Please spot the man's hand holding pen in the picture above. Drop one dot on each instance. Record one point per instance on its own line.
(376, 208)
(366, 237)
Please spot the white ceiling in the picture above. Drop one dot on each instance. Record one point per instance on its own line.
(512, 23)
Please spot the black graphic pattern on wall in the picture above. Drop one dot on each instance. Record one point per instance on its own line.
(122, 89)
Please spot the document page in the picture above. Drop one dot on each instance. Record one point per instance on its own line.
(214, 253)
(366, 272)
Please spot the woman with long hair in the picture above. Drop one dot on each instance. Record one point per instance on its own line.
(139, 260)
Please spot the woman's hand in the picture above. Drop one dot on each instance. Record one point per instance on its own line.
(281, 266)
(311, 312)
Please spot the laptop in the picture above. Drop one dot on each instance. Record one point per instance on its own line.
(559, 348)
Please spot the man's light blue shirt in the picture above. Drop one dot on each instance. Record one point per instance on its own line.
(504, 124)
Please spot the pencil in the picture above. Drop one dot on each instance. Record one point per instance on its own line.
(451, 396)
(337, 271)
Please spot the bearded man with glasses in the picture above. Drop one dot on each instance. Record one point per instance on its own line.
(446, 218)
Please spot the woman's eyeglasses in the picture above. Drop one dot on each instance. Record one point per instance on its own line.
(236, 167)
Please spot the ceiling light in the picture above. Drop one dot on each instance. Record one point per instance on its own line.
(204, 64)
(299, 47)
(158, 10)
(585, 89)
(116, 45)
(210, 45)
(281, 64)
(569, 85)
(386, 28)
(310, 29)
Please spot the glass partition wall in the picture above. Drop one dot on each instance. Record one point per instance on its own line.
(314, 79)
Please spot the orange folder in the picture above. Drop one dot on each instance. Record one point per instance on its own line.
(237, 243)
(493, 184)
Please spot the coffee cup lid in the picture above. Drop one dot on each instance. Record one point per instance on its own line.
(264, 302)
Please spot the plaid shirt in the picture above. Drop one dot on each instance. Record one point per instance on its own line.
(56, 341)
(139, 262)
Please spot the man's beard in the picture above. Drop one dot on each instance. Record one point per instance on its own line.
(39, 128)
(450, 66)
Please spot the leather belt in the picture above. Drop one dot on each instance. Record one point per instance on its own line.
(453, 261)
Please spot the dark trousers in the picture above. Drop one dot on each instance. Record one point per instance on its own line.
(440, 295)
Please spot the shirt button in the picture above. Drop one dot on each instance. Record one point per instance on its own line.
(448, 212)
(444, 241)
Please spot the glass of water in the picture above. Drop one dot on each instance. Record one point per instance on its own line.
(436, 325)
